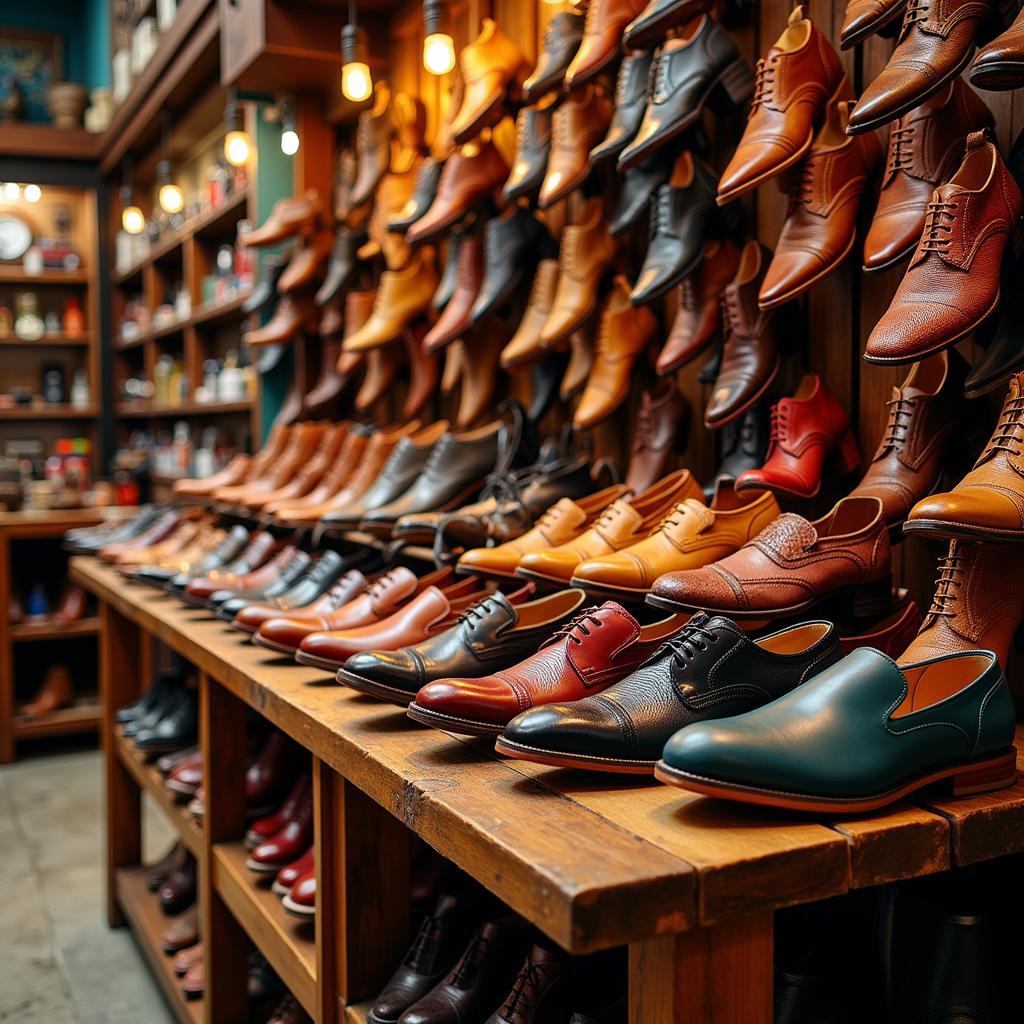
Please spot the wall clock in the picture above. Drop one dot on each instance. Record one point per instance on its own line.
(15, 237)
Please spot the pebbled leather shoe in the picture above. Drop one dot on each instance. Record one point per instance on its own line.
(512, 243)
(821, 224)
(525, 346)
(562, 39)
(402, 295)
(923, 424)
(1000, 64)
(577, 125)
(630, 104)
(639, 185)
(490, 636)
(596, 649)
(683, 214)
(653, 23)
(690, 536)
(622, 338)
(805, 430)
(795, 80)
(290, 216)
(858, 736)
(952, 284)
(864, 18)
(533, 146)
(709, 669)
(698, 319)
(602, 39)
(458, 312)
(662, 422)
(428, 179)
(744, 446)
(925, 148)
(688, 70)
(793, 565)
(750, 357)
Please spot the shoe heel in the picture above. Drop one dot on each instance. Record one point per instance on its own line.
(995, 773)
(734, 87)
(846, 457)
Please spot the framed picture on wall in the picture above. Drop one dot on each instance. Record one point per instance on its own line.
(30, 61)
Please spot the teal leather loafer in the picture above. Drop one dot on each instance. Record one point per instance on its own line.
(858, 736)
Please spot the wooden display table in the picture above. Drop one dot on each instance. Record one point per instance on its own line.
(690, 884)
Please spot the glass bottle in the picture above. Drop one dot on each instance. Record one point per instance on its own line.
(28, 324)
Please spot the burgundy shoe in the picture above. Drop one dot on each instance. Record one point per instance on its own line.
(287, 845)
(301, 901)
(291, 873)
(269, 825)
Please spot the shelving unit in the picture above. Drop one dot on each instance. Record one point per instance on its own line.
(81, 717)
(53, 631)
(48, 412)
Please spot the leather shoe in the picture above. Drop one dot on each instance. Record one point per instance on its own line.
(865, 18)
(402, 295)
(562, 39)
(653, 23)
(602, 37)
(630, 104)
(577, 125)
(533, 145)
(662, 426)
(512, 244)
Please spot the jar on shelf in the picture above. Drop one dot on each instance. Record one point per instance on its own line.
(28, 324)
(81, 393)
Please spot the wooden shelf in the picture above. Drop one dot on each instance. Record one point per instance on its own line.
(61, 339)
(212, 312)
(147, 778)
(43, 141)
(11, 274)
(287, 942)
(148, 922)
(81, 717)
(53, 631)
(48, 412)
(358, 1013)
(220, 219)
(127, 411)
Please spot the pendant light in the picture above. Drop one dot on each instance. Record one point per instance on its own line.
(132, 218)
(170, 196)
(236, 142)
(356, 80)
(438, 46)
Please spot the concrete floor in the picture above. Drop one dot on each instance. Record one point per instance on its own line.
(61, 964)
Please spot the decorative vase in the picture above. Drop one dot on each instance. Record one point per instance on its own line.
(67, 104)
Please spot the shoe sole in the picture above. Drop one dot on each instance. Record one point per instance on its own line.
(961, 531)
(280, 890)
(297, 909)
(889, 264)
(872, 28)
(303, 658)
(273, 645)
(998, 77)
(543, 579)
(562, 760)
(612, 593)
(452, 723)
(964, 780)
(263, 869)
(372, 688)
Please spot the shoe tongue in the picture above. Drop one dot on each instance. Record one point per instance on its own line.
(790, 534)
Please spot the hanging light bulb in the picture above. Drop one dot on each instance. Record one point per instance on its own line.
(33, 193)
(11, 191)
(438, 46)
(170, 197)
(236, 142)
(289, 136)
(133, 220)
(356, 80)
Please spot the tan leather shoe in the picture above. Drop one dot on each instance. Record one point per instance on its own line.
(864, 18)
(525, 346)
(626, 521)
(233, 473)
(622, 337)
(490, 65)
(1000, 64)
(690, 536)
(306, 261)
(54, 692)
(481, 351)
(581, 361)
(561, 523)
(289, 217)
(309, 476)
(291, 315)
(302, 442)
(402, 295)
(586, 252)
(577, 126)
(602, 38)
(794, 83)
(393, 192)
(358, 309)
(382, 366)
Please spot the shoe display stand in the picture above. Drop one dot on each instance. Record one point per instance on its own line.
(690, 885)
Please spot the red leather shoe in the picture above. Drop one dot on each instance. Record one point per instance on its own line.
(186, 776)
(287, 845)
(805, 430)
(269, 774)
(291, 873)
(269, 825)
(301, 901)
(596, 649)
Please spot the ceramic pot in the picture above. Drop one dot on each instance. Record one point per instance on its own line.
(67, 104)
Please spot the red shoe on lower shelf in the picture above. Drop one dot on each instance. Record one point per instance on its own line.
(301, 901)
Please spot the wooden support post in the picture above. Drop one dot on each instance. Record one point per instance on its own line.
(222, 742)
(716, 975)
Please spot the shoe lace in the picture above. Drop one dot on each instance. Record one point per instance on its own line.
(764, 81)
(1009, 433)
(917, 10)
(658, 84)
(466, 969)
(579, 627)
(778, 424)
(947, 583)
(688, 293)
(937, 231)
(476, 612)
(804, 191)
(621, 83)
(900, 155)
(436, 456)
(730, 312)
(426, 938)
(529, 979)
(693, 640)
(593, 13)
(560, 128)
(377, 587)
(900, 409)
(687, 507)
(661, 212)
(340, 591)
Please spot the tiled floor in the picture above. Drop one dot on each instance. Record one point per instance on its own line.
(59, 962)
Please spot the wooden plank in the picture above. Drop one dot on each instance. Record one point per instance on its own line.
(83, 716)
(89, 626)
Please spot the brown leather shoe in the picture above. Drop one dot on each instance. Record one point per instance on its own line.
(490, 65)
(481, 354)
(662, 423)
(952, 284)
(586, 252)
(382, 366)
(988, 504)
(358, 309)
(577, 126)
(935, 44)
(840, 561)
(924, 418)
(289, 217)
(977, 604)
(374, 133)
(291, 315)
(602, 38)
(525, 346)
(1000, 64)
(698, 318)
(624, 334)
(54, 692)
(402, 295)
(424, 371)
(865, 18)
(821, 224)
(926, 146)
(308, 475)
(581, 361)
(750, 358)
(458, 312)
(470, 174)
(795, 81)
(306, 261)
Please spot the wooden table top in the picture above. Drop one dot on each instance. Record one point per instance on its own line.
(592, 860)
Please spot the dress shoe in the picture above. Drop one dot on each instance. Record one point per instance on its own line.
(581, 360)
(341, 265)
(301, 902)
(602, 39)
(200, 592)
(525, 346)
(264, 291)
(805, 430)
(424, 371)
(791, 566)
(562, 39)
(624, 523)
(703, 672)
(290, 216)
(471, 174)
(179, 727)
(428, 180)
(184, 932)
(533, 146)
(382, 366)
(639, 185)
(596, 649)
(287, 845)
(700, 63)
(683, 215)
(490, 66)
(160, 871)
(321, 577)
(585, 254)
(630, 104)
(923, 425)
(952, 284)
(186, 777)
(259, 548)
(697, 321)
(744, 446)
(491, 636)
(1000, 64)
(577, 125)
(291, 315)
(926, 146)
(750, 357)
(512, 244)
(856, 737)
(449, 268)
(233, 473)
(347, 588)
(402, 295)
(458, 312)
(542, 989)
(821, 224)
(891, 634)
(162, 527)
(55, 691)
(661, 428)
(178, 893)
(165, 684)
(934, 46)
(288, 569)
(375, 130)
(795, 81)
(653, 23)
(865, 18)
(689, 536)
(157, 709)
(187, 959)
(307, 259)
(291, 873)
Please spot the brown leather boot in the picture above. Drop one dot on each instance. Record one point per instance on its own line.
(54, 692)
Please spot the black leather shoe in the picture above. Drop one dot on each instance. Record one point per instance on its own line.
(160, 705)
(744, 446)
(492, 635)
(651, 25)
(226, 604)
(562, 39)
(541, 990)
(639, 185)
(318, 578)
(708, 372)
(533, 145)
(513, 243)
(630, 104)
(682, 216)
(450, 271)
(1005, 354)
(161, 690)
(705, 671)
(428, 177)
(179, 726)
(685, 75)
(341, 266)
(265, 291)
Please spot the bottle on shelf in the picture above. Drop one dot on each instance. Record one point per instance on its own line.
(28, 324)
(81, 393)
(74, 318)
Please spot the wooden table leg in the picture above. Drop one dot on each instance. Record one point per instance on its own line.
(716, 975)
(119, 685)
